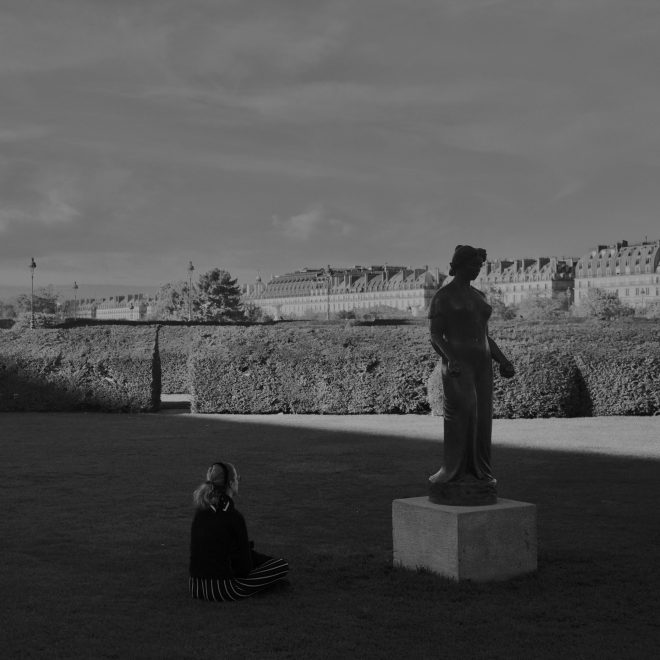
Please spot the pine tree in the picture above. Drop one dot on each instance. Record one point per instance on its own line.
(219, 297)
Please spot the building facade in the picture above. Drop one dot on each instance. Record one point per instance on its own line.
(516, 279)
(632, 272)
(130, 308)
(325, 292)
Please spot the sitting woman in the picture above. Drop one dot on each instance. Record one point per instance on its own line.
(223, 564)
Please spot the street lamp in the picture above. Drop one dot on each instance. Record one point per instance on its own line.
(75, 300)
(33, 266)
(328, 281)
(191, 268)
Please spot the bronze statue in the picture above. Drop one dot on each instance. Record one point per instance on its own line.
(458, 317)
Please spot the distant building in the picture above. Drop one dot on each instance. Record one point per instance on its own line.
(630, 271)
(133, 307)
(517, 279)
(327, 291)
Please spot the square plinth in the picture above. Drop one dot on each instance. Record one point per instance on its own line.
(493, 542)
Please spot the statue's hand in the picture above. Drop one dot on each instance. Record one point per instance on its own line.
(507, 370)
(454, 368)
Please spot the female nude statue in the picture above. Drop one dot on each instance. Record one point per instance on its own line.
(459, 317)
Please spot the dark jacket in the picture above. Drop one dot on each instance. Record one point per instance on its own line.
(219, 545)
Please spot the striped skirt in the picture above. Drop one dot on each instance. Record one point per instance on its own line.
(223, 589)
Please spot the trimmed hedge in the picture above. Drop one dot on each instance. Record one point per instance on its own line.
(387, 369)
(546, 384)
(351, 370)
(562, 370)
(109, 369)
(622, 383)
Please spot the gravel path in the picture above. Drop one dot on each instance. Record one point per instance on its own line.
(626, 436)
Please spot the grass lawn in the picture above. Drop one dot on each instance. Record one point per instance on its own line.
(94, 532)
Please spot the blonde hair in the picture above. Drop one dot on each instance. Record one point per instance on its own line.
(213, 491)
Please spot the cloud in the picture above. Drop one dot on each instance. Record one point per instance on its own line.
(254, 46)
(40, 198)
(21, 133)
(314, 221)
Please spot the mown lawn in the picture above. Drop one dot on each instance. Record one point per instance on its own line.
(94, 533)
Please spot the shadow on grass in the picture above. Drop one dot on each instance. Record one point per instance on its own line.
(96, 514)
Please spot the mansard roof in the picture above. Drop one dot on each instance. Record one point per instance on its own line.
(526, 270)
(620, 259)
(349, 280)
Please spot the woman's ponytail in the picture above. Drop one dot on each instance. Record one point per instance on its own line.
(213, 492)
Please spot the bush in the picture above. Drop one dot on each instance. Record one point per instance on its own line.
(328, 370)
(380, 369)
(624, 382)
(651, 311)
(546, 384)
(603, 305)
(110, 369)
(41, 320)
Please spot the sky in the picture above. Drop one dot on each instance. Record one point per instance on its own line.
(265, 136)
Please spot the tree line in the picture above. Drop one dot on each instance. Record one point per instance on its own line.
(215, 296)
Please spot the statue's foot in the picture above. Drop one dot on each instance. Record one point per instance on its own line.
(439, 477)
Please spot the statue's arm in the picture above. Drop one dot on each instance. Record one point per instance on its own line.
(506, 368)
(440, 344)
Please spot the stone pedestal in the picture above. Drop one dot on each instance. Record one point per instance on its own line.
(480, 543)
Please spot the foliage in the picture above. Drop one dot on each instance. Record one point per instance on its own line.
(501, 311)
(330, 370)
(537, 307)
(173, 302)
(219, 297)
(45, 301)
(377, 369)
(7, 310)
(25, 321)
(603, 305)
(103, 368)
(546, 384)
(625, 382)
(255, 314)
(652, 311)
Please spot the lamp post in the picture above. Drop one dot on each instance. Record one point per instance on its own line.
(33, 266)
(328, 279)
(191, 268)
(75, 300)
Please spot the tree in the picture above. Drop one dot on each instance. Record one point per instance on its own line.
(604, 305)
(537, 307)
(172, 301)
(501, 310)
(7, 310)
(219, 297)
(254, 313)
(45, 301)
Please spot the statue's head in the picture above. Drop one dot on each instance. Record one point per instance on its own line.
(466, 254)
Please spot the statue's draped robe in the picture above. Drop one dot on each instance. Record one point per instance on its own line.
(468, 397)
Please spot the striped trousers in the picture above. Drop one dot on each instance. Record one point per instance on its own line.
(224, 589)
